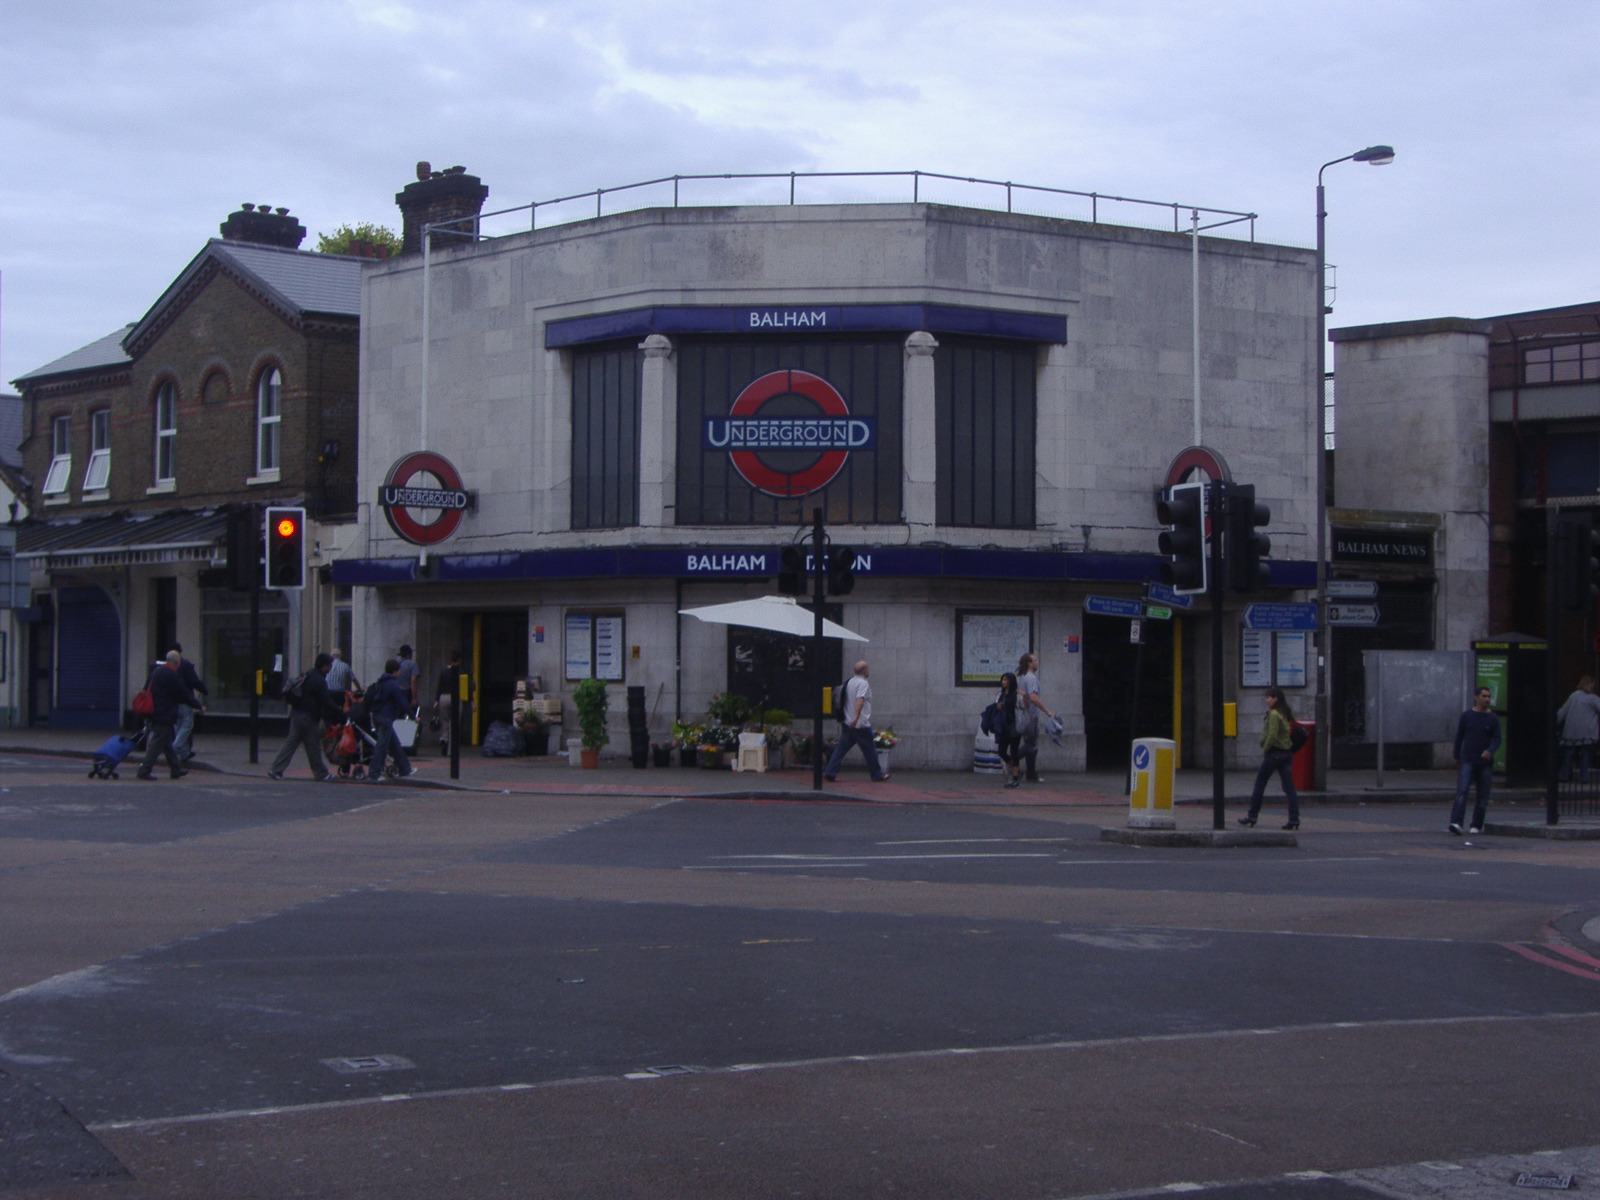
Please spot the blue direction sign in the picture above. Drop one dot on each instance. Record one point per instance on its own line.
(1280, 616)
(1162, 594)
(1113, 606)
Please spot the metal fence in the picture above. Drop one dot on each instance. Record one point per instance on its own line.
(1579, 796)
(849, 187)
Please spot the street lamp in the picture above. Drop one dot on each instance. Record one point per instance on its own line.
(1378, 156)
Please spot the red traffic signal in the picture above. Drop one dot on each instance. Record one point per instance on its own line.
(286, 548)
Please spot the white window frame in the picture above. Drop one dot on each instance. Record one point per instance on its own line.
(269, 424)
(60, 472)
(166, 434)
(97, 475)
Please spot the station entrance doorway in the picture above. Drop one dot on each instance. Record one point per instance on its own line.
(494, 651)
(1109, 661)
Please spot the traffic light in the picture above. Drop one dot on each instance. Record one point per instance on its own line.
(244, 548)
(841, 573)
(1242, 547)
(1182, 509)
(1577, 562)
(792, 571)
(286, 548)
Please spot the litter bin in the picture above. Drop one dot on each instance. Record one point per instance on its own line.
(1150, 798)
(1304, 764)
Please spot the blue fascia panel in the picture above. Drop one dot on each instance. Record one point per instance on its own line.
(795, 318)
(368, 572)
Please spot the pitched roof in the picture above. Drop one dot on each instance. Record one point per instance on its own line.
(105, 352)
(295, 282)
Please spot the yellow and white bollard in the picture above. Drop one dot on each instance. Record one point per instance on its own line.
(1150, 802)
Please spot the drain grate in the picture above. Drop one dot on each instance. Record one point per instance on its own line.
(1556, 1183)
(369, 1064)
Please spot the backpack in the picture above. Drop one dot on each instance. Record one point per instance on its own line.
(144, 704)
(1298, 737)
(838, 701)
(295, 690)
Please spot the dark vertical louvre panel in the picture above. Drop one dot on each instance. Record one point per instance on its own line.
(985, 398)
(605, 438)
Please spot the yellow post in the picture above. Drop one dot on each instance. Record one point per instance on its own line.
(260, 683)
(827, 702)
(1230, 719)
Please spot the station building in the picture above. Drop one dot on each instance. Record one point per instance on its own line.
(640, 410)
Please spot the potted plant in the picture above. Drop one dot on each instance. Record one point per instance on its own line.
(729, 708)
(661, 753)
(800, 744)
(687, 735)
(534, 731)
(883, 740)
(589, 698)
(780, 737)
(714, 745)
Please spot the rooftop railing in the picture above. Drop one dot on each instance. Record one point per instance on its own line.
(849, 187)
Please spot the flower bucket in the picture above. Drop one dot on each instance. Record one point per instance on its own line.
(589, 758)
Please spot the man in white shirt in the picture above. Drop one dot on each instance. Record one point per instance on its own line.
(857, 727)
(1031, 704)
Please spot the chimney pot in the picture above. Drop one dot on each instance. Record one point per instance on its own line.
(436, 197)
(258, 224)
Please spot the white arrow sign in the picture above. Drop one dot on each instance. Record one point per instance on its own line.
(1352, 614)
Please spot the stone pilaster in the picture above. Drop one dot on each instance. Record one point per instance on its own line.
(919, 472)
(658, 432)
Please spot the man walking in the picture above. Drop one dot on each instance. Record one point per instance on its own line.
(170, 695)
(1477, 739)
(857, 727)
(1030, 704)
(307, 717)
(408, 679)
(340, 678)
(387, 703)
(183, 732)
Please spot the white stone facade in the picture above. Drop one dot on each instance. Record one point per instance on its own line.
(1113, 408)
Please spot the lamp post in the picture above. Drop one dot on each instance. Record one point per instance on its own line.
(1377, 156)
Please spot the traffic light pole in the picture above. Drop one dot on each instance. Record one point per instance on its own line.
(819, 584)
(255, 676)
(1217, 502)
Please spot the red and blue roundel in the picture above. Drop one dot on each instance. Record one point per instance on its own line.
(789, 433)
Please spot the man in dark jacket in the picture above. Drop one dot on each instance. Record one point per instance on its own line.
(184, 732)
(388, 700)
(170, 694)
(307, 718)
(1477, 739)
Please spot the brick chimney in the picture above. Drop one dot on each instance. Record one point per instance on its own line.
(258, 223)
(438, 196)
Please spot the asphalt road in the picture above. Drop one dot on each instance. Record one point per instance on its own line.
(223, 986)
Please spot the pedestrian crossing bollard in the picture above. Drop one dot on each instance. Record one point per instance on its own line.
(1150, 798)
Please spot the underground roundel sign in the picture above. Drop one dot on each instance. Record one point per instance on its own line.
(789, 433)
(423, 498)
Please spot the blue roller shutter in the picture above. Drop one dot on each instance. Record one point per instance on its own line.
(88, 658)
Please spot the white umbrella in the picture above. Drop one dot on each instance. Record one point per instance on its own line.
(781, 614)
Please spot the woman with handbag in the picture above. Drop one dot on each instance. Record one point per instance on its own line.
(1277, 752)
(1007, 729)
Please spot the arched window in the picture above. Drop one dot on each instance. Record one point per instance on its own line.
(56, 478)
(269, 418)
(166, 433)
(98, 474)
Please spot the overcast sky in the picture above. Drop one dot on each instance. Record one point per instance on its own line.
(130, 130)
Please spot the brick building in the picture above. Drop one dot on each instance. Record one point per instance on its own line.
(238, 386)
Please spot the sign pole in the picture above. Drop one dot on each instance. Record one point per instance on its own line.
(1217, 496)
(818, 593)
